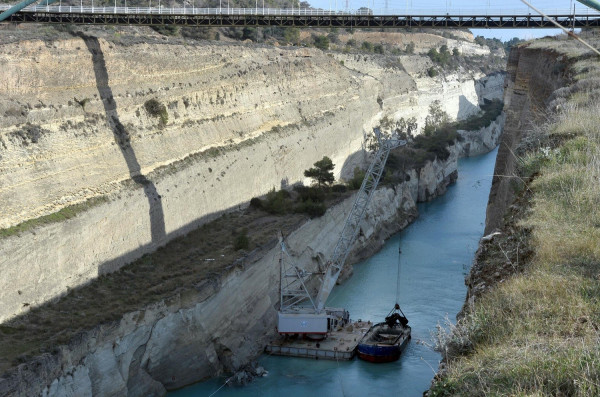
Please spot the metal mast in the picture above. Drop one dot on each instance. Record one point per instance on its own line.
(293, 281)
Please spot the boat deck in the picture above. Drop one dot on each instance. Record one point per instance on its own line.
(339, 345)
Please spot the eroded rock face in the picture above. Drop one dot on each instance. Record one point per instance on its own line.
(237, 122)
(475, 143)
(227, 321)
(533, 74)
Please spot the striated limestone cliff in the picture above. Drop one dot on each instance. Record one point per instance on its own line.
(475, 143)
(533, 74)
(79, 128)
(227, 320)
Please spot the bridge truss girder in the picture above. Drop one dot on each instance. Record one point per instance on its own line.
(322, 21)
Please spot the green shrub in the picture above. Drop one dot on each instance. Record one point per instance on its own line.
(357, 179)
(157, 109)
(291, 35)
(241, 241)
(257, 203)
(277, 202)
(321, 42)
(166, 30)
(366, 46)
(199, 33)
(491, 111)
(339, 188)
(432, 72)
(82, 102)
(437, 142)
(442, 57)
(408, 158)
(314, 193)
(311, 208)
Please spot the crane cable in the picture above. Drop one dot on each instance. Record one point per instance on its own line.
(398, 275)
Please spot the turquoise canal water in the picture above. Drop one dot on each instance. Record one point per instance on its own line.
(437, 251)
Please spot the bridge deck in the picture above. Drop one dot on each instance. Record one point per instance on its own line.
(285, 17)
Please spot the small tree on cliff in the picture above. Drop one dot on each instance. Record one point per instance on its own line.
(322, 172)
(437, 118)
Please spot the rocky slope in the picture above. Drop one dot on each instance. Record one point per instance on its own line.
(84, 125)
(228, 319)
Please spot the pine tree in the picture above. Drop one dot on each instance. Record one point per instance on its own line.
(322, 172)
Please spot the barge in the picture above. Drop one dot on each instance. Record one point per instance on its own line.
(384, 342)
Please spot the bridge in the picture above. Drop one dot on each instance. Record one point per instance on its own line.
(156, 14)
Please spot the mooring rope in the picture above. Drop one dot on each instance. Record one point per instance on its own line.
(216, 391)
(340, 376)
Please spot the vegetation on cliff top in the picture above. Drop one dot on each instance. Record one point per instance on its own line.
(311, 200)
(439, 133)
(537, 331)
(62, 215)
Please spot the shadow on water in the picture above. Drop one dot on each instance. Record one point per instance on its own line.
(123, 139)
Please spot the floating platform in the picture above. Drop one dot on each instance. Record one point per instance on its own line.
(338, 345)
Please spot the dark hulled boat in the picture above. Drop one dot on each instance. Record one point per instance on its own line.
(384, 342)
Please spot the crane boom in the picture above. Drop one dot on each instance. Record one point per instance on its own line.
(295, 316)
(357, 213)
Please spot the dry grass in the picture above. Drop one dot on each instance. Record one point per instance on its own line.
(538, 333)
(177, 269)
(565, 45)
(60, 216)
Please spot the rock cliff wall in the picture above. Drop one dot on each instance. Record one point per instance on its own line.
(533, 74)
(228, 319)
(81, 126)
(475, 143)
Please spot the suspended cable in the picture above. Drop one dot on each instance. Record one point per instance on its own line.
(398, 275)
(563, 29)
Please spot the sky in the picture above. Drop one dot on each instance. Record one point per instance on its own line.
(467, 6)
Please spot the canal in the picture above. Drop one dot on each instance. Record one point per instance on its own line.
(436, 254)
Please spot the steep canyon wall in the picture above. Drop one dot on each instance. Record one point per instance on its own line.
(238, 121)
(533, 75)
(228, 319)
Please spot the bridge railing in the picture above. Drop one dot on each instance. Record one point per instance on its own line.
(298, 11)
